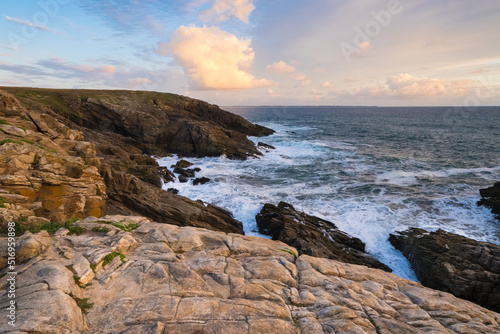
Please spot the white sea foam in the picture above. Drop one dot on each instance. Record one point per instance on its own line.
(334, 182)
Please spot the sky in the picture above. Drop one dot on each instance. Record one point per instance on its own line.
(260, 52)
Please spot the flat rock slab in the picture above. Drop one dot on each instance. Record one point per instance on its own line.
(192, 280)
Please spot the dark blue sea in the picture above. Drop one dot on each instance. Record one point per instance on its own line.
(369, 170)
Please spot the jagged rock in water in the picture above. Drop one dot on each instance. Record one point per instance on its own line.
(201, 180)
(491, 198)
(159, 278)
(261, 144)
(466, 268)
(312, 235)
(182, 164)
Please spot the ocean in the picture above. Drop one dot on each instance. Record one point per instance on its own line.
(369, 170)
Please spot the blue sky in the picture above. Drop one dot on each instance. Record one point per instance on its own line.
(256, 52)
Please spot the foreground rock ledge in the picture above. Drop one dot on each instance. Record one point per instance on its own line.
(467, 268)
(160, 278)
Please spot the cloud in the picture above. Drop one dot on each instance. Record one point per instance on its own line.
(299, 76)
(350, 79)
(222, 10)
(214, 59)
(407, 85)
(135, 82)
(29, 24)
(131, 16)
(326, 84)
(280, 68)
(116, 76)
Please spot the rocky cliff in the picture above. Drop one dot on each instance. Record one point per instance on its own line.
(128, 275)
(73, 153)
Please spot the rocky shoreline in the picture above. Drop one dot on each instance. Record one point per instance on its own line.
(76, 171)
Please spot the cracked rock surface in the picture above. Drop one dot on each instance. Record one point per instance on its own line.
(158, 278)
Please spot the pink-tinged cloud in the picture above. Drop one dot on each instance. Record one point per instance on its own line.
(29, 24)
(326, 84)
(134, 82)
(103, 70)
(222, 10)
(280, 68)
(214, 59)
(407, 85)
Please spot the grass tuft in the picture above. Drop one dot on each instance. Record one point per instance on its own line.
(83, 304)
(5, 141)
(289, 251)
(108, 258)
(2, 202)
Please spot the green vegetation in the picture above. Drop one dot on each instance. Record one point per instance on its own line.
(101, 229)
(122, 226)
(291, 252)
(83, 304)
(3, 275)
(5, 141)
(93, 266)
(2, 121)
(77, 279)
(73, 229)
(27, 141)
(3, 201)
(84, 98)
(51, 227)
(108, 258)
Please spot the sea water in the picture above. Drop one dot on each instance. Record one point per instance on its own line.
(371, 171)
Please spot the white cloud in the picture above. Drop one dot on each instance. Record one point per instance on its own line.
(222, 10)
(280, 68)
(408, 85)
(214, 59)
(29, 24)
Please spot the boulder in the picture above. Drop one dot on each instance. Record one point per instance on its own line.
(312, 235)
(270, 147)
(182, 164)
(452, 263)
(490, 197)
(201, 180)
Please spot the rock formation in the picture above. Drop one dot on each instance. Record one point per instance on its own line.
(70, 154)
(312, 235)
(448, 262)
(157, 123)
(128, 275)
(47, 170)
(491, 198)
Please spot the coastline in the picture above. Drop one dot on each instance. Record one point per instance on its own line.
(54, 157)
